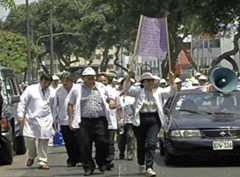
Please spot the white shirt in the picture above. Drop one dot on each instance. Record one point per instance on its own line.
(36, 108)
(60, 105)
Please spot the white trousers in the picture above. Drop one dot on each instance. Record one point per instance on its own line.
(37, 148)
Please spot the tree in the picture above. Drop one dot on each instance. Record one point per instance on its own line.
(13, 51)
(105, 24)
(7, 3)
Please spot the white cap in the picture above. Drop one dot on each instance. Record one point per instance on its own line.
(163, 81)
(55, 77)
(177, 80)
(203, 77)
(89, 71)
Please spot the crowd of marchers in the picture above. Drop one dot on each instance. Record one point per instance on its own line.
(96, 110)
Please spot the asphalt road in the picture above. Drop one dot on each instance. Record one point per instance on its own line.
(123, 168)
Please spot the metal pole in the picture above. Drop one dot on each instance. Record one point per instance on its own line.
(29, 72)
(51, 39)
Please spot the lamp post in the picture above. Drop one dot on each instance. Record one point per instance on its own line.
(29, 62)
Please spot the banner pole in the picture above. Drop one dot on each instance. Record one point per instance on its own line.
(168, 47)
(133, 60)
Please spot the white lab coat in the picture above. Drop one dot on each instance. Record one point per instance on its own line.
(36, 108)
(104, 93)
(158, 94)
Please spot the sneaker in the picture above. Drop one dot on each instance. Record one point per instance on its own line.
(141, 169)
(150, 172)
(44, 167)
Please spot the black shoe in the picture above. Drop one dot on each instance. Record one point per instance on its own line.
(109, 166)
(88, 172)
(71, 164)
(102, 168)
(121, 156)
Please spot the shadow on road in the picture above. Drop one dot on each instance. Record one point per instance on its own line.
(183, 162)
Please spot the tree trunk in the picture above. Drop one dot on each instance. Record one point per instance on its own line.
(227, 55)
(117, 59)
(104, 63)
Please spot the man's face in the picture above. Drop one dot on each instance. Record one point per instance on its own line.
(45, 83)
(89, 80)
(55, 83)
(103, 79)
(67, 84)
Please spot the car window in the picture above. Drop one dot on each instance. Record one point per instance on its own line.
(208, 102)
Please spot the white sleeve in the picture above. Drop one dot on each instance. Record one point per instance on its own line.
(22, 105)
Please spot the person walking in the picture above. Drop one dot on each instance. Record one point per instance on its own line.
(148, 119)
(35, 114)
(61, 118)
(88, 107)
(106, 79)
(126, 138)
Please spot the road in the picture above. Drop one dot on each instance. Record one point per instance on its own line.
(123, 168)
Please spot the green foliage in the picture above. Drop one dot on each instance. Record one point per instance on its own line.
(89, 24)
(7, 3)
(13, 51)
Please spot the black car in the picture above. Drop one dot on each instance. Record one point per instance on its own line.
(11, 96)
(200, 125)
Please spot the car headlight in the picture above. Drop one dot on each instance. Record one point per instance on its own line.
(185, 133)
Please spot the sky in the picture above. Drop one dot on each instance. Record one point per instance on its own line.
(4, 13)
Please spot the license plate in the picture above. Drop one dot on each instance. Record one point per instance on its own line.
(222, 145)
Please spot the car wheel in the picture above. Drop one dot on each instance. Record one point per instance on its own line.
(5, 151)
(169, 158)
(20, 147)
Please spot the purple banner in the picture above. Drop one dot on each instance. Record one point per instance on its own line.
(153, 38)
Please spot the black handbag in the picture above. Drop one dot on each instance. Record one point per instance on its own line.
(6, 154)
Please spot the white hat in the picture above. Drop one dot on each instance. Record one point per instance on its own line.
(203, 77)
(163, 81)
(177, 80)
(148, 76)
(120, 79)
(89, 71)
(197, 74)
(55, 77)
(195, 82)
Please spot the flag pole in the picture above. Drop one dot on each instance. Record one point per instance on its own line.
(133, 61)
(168, 47)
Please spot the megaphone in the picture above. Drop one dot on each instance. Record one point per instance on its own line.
(223, 79)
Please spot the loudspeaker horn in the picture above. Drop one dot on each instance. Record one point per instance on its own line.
(223, 79)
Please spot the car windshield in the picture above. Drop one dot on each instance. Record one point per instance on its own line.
(208, 103)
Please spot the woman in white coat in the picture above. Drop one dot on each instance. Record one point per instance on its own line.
(35, 114)
(148, 118)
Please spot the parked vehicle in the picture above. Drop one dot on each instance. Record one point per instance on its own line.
(201, 125)
(11, 95)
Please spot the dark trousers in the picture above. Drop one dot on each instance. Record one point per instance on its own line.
(146, 135)
(111, 148)
(93, 130)
(126, 139)
(71, 143)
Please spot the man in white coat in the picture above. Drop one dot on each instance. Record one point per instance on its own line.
(35, 114)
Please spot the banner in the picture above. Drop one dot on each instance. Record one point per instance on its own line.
(152, 38)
